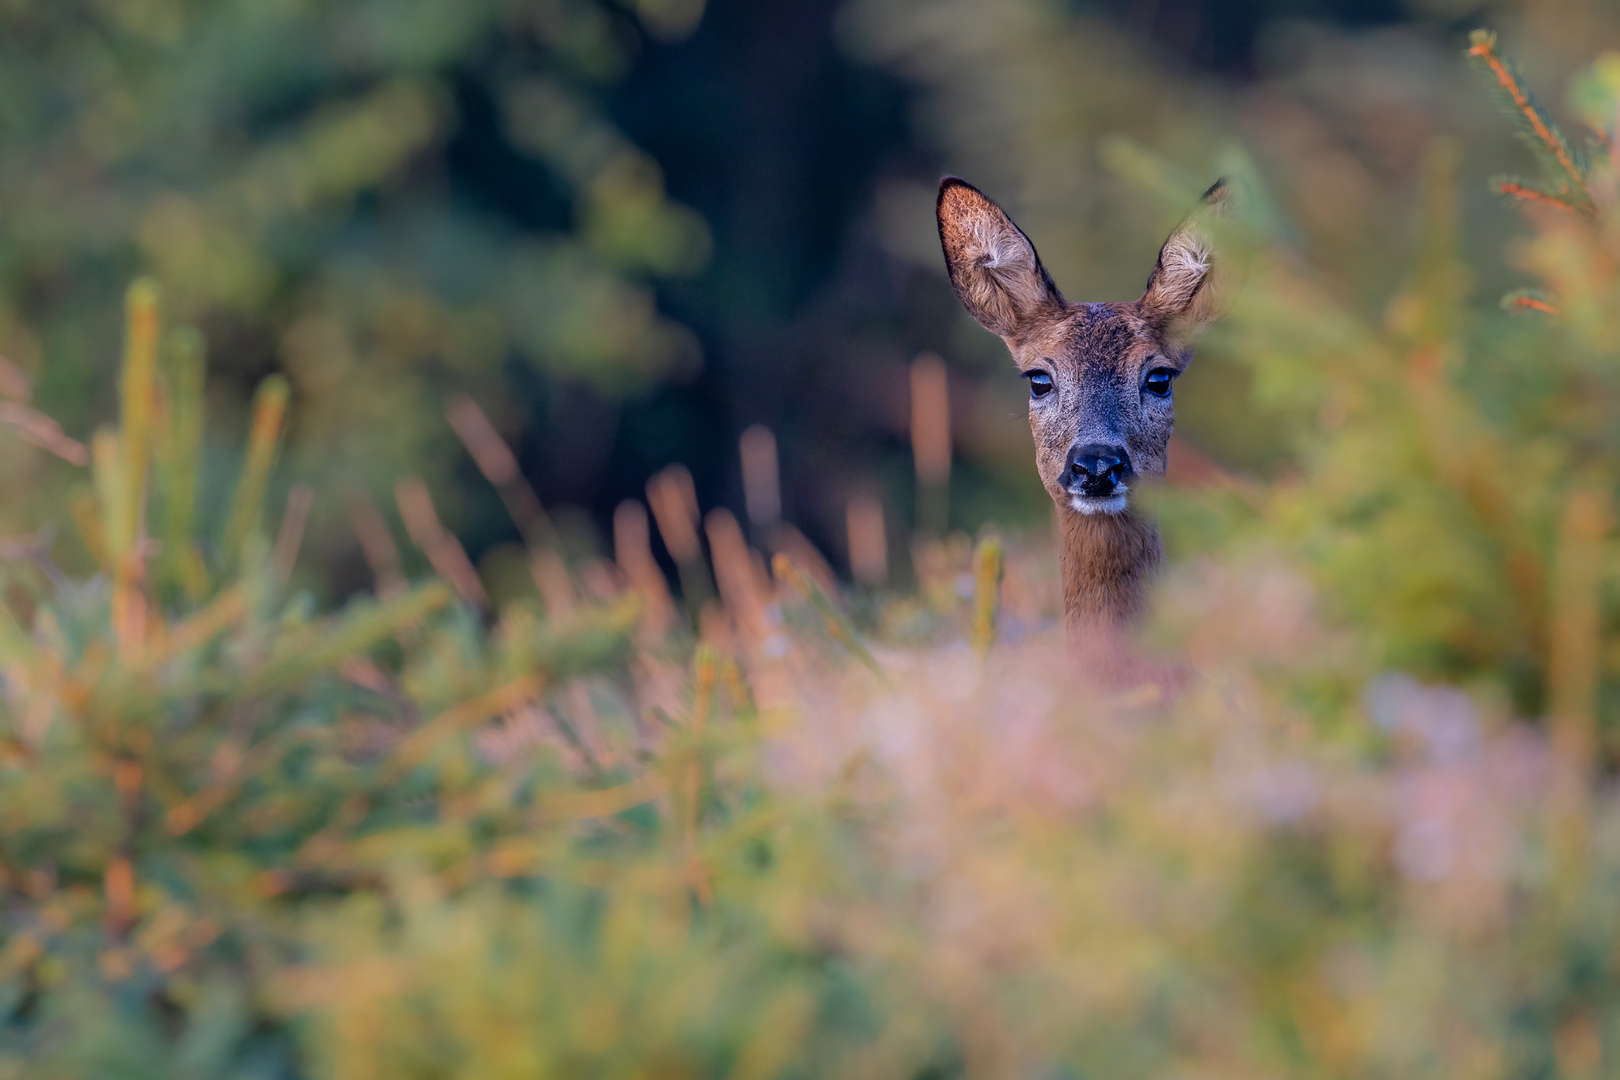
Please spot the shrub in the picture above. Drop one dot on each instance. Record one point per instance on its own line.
(407, 839)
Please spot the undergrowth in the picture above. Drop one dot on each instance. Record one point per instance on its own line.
(1372, 833)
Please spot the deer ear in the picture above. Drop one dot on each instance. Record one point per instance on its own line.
(993, 266)
(1189, 286)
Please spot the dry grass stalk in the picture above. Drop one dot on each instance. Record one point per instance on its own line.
(987, 569)
(930, 419)
(37, 428)
(601, 579)
(376, 543)
(868, 544)
(499, 466)
(674, 505)
(704, 665)
(290, 537)
(1576, 631)
(551, 577)
(247, 505)
(439, 544)
(632, 550)
(137, 398)
(762, 484)
(673, 499)
(931, 442)
(715, 628)
(1573, 667)
(786, 540)
(744, 596)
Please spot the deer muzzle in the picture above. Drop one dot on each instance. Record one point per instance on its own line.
(1097, 477)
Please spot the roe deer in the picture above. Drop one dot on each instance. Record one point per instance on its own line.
(1100, 381)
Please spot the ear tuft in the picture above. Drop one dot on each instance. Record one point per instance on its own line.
(1188, 285)
(994, 268)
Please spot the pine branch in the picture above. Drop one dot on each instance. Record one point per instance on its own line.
(1543, 132)
(1524, 190)
(1529, 300)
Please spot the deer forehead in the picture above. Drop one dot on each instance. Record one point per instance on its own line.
(1091, 340)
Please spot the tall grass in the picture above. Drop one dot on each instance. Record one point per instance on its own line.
(1370, 830)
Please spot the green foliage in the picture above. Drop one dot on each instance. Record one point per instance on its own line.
(1439, 503)
(240, 838)
(1563, 165)
(283, 171)
(1415, 449)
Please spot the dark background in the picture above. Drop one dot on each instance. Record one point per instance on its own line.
(485, 253)
(767, 128)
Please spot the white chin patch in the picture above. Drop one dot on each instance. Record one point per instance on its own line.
(1111, 504)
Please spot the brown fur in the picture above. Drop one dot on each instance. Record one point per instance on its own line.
(1098, 357)
(1106, 560)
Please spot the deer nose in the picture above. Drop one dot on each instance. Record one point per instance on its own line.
(1096, 469)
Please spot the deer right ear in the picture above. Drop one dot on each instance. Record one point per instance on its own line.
(1192, 283)
(993, 266)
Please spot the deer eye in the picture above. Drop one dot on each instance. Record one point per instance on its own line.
(1040, 383)
(1158, 382)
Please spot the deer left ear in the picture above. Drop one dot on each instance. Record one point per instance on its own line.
(1189, 287)
(993, 266)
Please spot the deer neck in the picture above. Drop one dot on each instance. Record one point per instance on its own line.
(1107, 561)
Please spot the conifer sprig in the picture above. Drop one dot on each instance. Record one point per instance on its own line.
(1527, 191)
(1537, 128)
(1529, 300)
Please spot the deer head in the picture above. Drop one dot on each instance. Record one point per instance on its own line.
(1101, 376)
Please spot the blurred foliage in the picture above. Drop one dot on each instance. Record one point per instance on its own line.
(285, 171)
(1369, 395)
(1456, 485)
(1370, 828)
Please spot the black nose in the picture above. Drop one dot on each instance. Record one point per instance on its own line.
(1095, 469)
